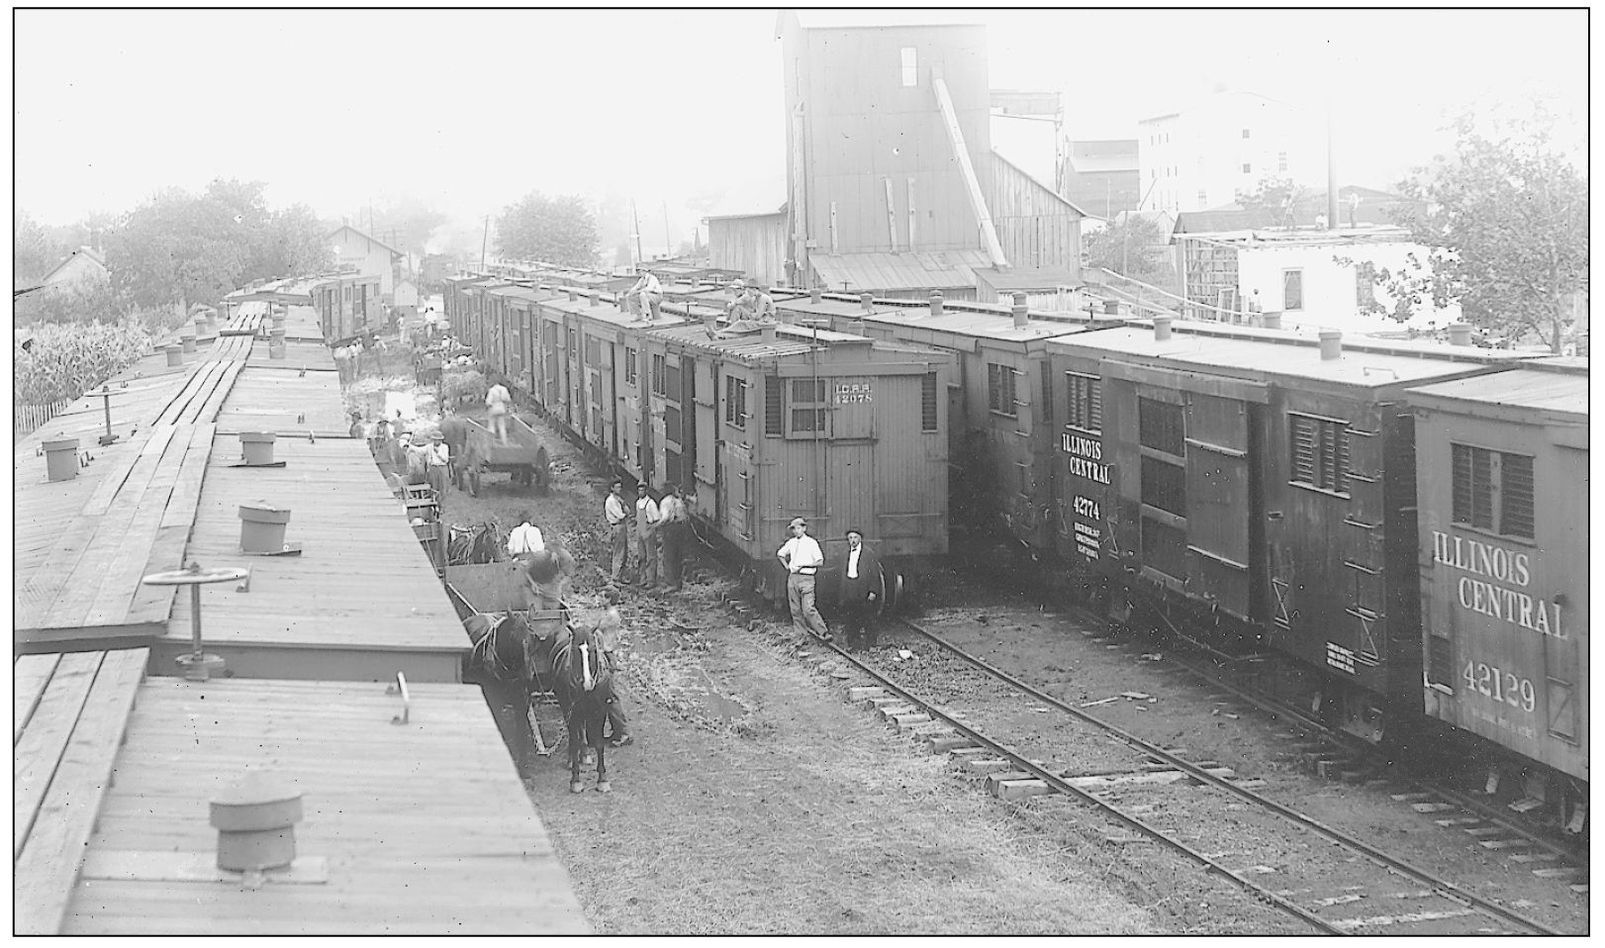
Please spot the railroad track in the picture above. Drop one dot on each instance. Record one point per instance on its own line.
(1177, 802)
(1334, 753)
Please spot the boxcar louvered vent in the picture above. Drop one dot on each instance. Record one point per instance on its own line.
(1516, 495)
(928, 402)
(1320, 452)
(772, 408)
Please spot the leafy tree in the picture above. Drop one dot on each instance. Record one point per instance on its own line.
(1505, 221)
(407, 224)
(34, 253)
(1274, 202)
(1130, 246)
(559, 230)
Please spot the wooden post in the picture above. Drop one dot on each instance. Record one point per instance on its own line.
(911, 216)
(891, 214)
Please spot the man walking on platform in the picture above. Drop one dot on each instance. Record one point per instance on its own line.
(618, 526)
(802, 558)
(676, 529)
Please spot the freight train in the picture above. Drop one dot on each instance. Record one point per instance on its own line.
(1334, 511)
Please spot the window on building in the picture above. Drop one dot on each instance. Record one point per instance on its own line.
(1245, 133)
(1292, 290)
(1320, 449)
(1203, 196)
(1492, 490)
(911, 67)
(1085, 400)
(773, 410)
(1248, 168)
(1281, 161)
(1000, 388)
(928, 402)
(735, 401)
(631, 370)
(1160, 426)
(808, 406)
(658, 365)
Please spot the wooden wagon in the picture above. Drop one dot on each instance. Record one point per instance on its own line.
(522, 456)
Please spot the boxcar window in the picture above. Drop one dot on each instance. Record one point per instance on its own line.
(1492, 490)
(773, 410)
(1164, 485)
(1160, 426)
(1320, 450)
(735, 401)
(1085, 401)
(631, 372)
(808, 406)
(658, 365)
(1000, 388)
(928, 402)
(1292, 289)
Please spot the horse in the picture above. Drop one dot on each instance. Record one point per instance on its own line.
(509, 655)
(584, 682)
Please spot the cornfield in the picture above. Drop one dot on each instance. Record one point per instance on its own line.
(67, 360)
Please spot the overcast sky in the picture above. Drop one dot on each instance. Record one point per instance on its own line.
(471, 110)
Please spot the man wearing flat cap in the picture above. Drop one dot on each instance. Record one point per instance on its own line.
(802, 558)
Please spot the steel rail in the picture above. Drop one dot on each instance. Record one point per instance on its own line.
(1446, 889)
(1059, 784)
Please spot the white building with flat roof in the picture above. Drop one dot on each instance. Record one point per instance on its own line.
(1223, 145)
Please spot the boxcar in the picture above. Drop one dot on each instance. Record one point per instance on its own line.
(1258, 488)
(1504, 592)
(1002, 438)
(347, 305)
(790, 421)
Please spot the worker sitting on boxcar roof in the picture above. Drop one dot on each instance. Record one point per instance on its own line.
(648, 294)
(802, 558)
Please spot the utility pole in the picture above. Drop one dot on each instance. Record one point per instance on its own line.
(483, 243)
(636, 218)
(668, 241)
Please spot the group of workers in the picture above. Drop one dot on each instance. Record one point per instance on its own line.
(750, 307)
(655, 526)
(860, 593)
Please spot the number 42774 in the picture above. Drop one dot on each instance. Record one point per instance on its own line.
(1501, 686)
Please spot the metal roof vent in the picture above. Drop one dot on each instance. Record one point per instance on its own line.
(868, 299)
(816, 295)
(1161, 328)
(766, 332)
(255, 820)
(1021, 314)
(936, 302)
(1331, 345)
(1459, 334)
(570, 293)
(592, 295)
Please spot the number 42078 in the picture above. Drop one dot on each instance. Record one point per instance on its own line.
(1499, 686)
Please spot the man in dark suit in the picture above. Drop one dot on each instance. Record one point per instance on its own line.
(861, 591)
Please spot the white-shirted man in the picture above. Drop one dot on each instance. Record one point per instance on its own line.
(802, 558)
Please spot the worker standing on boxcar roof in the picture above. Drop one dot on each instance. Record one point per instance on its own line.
(618, 527)
(860, 591)
(498, 402)
(647, 517)
(802, 558)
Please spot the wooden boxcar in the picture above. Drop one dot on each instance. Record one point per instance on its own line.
(347, 305)
(1002, 438)
(846, 431)
(513, 327)
(1502, 492)
(1257, 487)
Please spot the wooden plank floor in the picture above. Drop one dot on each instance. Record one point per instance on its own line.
(425, 827)
(361, 582)
(272, 398)
(61, 769)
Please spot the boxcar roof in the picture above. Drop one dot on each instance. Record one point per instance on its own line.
(1259, 357)
(789, 342)
(1412, 347)
(1557, 385)
(983, 325)
(415, 828)
(606, 311)
(533, 294)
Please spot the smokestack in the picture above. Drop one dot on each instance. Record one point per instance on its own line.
(868, 299)
(1331, 345)
(936, 303)
(1161, 328)
(592, 295)
(1459, 334)
(1019, 311)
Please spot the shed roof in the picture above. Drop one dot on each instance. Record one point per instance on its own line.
(915, 270)
(1268, 354)
(1558, 385)
(364, 236)
(1030, 278)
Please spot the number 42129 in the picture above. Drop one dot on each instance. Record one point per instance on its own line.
(1501, 686)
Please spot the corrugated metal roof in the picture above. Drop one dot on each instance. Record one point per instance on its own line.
(1556, 385)
(917, 270)
(1287, 356)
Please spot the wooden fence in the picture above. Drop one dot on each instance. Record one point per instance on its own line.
(26, 419)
